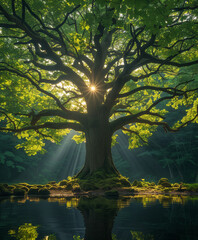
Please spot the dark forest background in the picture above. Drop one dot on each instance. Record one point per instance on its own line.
(171, 155)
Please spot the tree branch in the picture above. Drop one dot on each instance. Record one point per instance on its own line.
(51, 125)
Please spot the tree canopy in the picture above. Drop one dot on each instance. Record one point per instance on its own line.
(62, 63)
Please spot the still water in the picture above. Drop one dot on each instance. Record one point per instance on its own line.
(134, 218)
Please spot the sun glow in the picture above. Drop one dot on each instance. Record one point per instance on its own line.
(92, 88)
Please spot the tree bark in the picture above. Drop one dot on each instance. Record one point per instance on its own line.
(98, 146)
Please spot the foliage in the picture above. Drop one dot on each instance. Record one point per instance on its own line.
(77, 238)
(131, 51)
(25, 232)
(141, 236)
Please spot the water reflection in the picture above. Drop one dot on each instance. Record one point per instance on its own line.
(138, 217)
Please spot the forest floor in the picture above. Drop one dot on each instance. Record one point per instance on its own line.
(112, 187)
(120, 192)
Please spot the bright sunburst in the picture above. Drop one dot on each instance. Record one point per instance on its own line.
(92, 88)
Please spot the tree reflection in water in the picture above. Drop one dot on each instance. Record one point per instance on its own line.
(99, 214)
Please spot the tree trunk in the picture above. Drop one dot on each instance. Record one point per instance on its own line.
(98, 147)
(99, 214)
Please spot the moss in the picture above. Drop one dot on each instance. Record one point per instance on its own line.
(11, 187)
(176, 185)
(53, 188)
(63, 183)
(164, 182)
(52, 182)
(86, 186)
(39, 186)
(24, 184)
(19, 192)
(25, 188)
(33, 191)
(44, 191)
(124, 182)
(192, 187)
(137, 183)
(69, 186)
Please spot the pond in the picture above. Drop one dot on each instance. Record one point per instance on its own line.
(131, 218)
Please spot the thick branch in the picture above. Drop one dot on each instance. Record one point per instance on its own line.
(51, 125)
(69, 115)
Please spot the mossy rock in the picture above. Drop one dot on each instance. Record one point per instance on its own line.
(164, 182)
(63, 183)
(24, 184)
(39, 186)
(69, 187)
(44, 191)
(177, 185)
(137, 183)
(19, 192)
(112, 194)
(33, 191)
(25, 188)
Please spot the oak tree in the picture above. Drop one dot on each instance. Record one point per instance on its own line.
(96, 66)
